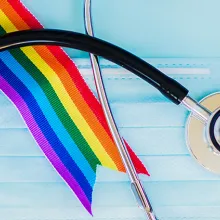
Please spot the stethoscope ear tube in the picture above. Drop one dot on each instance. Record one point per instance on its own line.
(167, 86)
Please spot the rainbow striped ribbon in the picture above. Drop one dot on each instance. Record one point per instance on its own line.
(61, 112)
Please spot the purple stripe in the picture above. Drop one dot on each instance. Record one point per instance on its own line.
(43, 143)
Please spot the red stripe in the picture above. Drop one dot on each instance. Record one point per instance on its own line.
(92, 101)
(140, 168)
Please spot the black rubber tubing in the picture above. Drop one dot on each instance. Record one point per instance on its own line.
(167, 86)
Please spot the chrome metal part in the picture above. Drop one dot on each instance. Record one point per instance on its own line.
(196, 108)
(136, 185)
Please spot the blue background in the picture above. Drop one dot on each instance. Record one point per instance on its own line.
(170, 34)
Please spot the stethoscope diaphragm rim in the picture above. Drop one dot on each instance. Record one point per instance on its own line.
(210, 131)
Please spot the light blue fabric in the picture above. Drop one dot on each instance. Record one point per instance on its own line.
(155, 128)
(161, 28)
(179, 188)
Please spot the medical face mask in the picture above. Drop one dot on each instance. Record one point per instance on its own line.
(178, 187)
(142, 116)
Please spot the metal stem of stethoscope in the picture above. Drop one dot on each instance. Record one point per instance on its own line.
(136, 185)
(197, 110)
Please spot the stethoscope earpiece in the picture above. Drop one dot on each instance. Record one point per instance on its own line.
(203, 139)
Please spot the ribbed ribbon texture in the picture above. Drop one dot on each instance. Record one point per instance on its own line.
(61, 112)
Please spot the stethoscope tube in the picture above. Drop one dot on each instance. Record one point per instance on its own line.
(167, 86)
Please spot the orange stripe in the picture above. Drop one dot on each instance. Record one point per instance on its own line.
(72, 90)
(13, 16)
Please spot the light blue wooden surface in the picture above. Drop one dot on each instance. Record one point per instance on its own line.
(178, 187)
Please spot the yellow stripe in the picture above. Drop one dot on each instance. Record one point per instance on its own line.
(64, 97)
(6, 23)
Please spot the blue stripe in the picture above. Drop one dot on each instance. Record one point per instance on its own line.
(50, 115)
(48, 132)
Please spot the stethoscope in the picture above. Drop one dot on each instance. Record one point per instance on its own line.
(203, 126)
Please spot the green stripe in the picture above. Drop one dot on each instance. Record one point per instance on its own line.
(57, 105)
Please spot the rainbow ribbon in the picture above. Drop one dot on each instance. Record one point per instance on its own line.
(61, 112)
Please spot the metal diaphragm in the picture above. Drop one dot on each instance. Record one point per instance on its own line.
(203, 140)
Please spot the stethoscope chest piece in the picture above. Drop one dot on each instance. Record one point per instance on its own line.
(203, 138)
